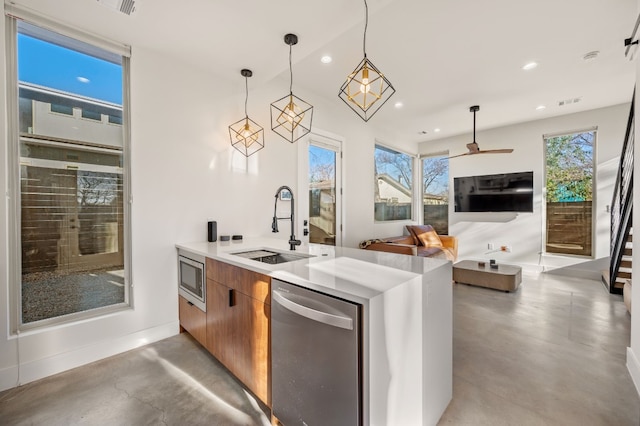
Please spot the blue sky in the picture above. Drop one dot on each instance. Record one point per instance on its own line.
(53, 66)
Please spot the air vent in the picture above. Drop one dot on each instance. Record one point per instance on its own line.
(568, 101)
(125, 6)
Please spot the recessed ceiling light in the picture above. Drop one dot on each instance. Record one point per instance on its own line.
(399, 105)
(326, 59)
(436, 130)
(83, 79)
(540, 107)
(530, 66)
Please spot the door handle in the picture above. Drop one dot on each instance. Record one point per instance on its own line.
(313, 314)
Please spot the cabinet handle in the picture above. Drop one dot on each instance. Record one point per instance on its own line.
(190, 304)
(232, 301)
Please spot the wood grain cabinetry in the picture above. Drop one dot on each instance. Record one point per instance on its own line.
(193, 320)
(238, 313)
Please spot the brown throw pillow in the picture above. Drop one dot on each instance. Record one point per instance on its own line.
(413, 234)
(426, 235)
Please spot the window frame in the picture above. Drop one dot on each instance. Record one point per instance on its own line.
(415, 176)
(14, 14)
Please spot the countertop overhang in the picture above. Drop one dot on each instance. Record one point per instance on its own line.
(353, 274)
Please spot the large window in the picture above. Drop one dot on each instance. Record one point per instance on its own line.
(569, 193)
(393, 184)
(71, 178)
(435, 192)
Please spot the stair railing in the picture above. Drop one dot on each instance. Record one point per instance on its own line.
(622, 203)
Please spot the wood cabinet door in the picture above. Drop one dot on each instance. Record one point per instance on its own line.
(221, 324)
(193, 320)
(253, 359)
(245, 281)
(238, 332)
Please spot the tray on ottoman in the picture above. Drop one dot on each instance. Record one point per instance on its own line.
(505, 277)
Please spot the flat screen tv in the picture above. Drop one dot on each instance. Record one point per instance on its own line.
(506, 192)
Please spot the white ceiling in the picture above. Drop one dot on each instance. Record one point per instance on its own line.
(442, 56)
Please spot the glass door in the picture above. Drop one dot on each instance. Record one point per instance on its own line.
(321, 211)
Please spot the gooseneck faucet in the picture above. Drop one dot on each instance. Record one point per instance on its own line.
(274, 224)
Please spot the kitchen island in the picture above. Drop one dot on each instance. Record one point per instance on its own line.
(406, 318)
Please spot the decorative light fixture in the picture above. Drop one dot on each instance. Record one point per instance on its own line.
(291, 116)
(366, 88)
(246, 135)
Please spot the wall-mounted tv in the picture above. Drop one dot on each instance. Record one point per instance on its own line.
(506, 192)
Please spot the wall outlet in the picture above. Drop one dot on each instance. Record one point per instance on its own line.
(505, 248)
(490, 246)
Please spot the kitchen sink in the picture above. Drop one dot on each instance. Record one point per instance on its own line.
(271, 257)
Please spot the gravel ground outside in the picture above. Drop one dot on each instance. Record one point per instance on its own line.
(52, 294)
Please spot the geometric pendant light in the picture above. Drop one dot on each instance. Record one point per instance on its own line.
(291, 116)
(246, 135)
(366, 88)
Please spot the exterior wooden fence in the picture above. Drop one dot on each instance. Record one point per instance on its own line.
(437, 215)
(569, 228)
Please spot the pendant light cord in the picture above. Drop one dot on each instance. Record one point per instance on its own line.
(366, 24)
(246, 96)
(290, 72)
(474, 126)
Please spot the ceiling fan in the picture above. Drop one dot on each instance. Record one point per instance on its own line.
(473, 146)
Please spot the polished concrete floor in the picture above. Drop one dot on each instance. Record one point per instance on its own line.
(552, 353)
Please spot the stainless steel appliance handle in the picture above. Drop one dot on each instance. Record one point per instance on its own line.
(313, 314)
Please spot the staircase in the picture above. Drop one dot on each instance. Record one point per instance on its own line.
(624, 270)
(621, 215)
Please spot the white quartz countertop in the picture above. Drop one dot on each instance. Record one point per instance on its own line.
(353, 274)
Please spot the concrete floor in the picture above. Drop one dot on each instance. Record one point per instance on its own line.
(552, 353)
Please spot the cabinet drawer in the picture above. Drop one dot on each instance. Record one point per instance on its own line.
(247, 282)
(193, 320)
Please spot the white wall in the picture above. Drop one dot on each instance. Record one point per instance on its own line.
(7, 357)
(524, 231)
(633, 351)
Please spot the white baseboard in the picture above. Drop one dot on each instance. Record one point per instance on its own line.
(634, 368)
(587, 274)
(41, 368)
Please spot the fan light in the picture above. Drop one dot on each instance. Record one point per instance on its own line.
(291, 116)
(245, 134)
(366, 88)
(473, 147)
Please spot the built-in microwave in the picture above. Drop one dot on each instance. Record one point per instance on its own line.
(192, 279)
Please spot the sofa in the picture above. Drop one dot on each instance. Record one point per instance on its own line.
(422, 240)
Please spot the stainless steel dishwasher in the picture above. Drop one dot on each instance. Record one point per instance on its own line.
(316, 356)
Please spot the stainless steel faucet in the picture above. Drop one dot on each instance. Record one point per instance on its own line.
(274, 224)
